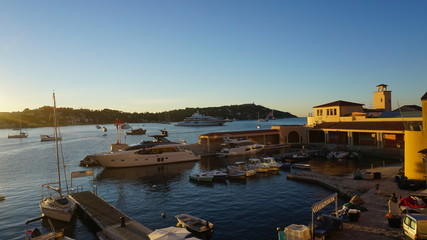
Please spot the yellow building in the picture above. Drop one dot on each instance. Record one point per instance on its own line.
(416, 148)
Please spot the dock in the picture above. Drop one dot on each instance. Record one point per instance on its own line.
(113, 223)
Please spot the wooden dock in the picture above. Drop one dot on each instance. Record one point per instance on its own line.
(113, 223)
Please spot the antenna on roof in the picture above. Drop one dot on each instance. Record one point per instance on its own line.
(403, 119)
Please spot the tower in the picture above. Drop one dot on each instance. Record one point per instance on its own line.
(382, 98)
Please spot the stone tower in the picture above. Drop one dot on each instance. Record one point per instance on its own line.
(382, 98)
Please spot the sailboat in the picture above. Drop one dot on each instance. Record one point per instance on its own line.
(60, 207)
(18, 132)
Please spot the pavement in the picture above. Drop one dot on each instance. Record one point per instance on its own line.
(372, 224)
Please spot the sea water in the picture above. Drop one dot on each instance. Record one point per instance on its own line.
(249, 209)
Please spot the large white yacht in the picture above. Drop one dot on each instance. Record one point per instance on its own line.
(198, 119)
(158, 151)
(239, 146)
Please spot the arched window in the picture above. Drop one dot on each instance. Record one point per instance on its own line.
(293, 137)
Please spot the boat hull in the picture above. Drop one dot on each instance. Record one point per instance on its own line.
(201, 178)
(132, 159)
(194, 224)
(199, 124)
(52, 210)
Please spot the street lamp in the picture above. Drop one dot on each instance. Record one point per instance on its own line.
(424, 156)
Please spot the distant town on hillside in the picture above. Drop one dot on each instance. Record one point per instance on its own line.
(42, 117)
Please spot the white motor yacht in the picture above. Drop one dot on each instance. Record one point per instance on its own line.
(198, 119)
(158, 151)
(239, 146)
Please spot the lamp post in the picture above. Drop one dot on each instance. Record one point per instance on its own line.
(424, 156)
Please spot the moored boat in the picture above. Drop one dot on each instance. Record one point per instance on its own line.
(301, 166)
(256, 164)
(138, 131)
(271, 163)
(238, 146)
(59, 206)
(201, 177)
(217, 174)
(194, 224)
(46, 138)
(234, 172)
(18, 133)
(198, 119)
(158, 151)
(37, 234)
(244, 167)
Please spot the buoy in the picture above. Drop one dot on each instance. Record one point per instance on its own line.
(163, 214)
(154, 186)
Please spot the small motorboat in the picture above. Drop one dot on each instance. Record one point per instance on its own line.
(138, 131)
(244, 167)
(46, 138)
(256, 164)
(194, 224)
(37, 234)
(218, 175)
(234, 172)
(271, 163)
(201, 177)
(301, 165)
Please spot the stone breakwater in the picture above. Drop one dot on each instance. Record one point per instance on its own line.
(346, 187)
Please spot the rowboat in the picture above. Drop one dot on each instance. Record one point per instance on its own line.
(194, 224)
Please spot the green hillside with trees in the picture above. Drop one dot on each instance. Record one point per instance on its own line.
(42, 117)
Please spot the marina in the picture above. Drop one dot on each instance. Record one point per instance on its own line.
(143, 193)
(152, 195)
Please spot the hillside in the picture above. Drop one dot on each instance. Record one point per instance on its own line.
(41, 117)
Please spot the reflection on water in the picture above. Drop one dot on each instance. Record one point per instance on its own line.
(166, 172)
(154, 178)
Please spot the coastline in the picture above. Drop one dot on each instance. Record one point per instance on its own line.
(372, 224)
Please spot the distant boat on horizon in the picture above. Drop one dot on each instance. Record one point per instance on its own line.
(198, 119)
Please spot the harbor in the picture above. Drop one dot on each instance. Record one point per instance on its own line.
(143, 193)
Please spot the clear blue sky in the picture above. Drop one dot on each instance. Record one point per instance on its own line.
(154, 56)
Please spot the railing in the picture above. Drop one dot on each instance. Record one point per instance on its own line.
(80, 188)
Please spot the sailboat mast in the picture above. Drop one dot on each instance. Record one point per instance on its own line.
(55, 127)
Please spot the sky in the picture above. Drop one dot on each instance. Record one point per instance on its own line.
(162, 55)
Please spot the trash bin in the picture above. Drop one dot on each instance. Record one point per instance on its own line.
(377, 175)
(394, 222)
(353, 215)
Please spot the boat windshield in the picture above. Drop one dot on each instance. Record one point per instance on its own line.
(158, 150)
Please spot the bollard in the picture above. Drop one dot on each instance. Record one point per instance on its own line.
(377, 188)
(122, 222)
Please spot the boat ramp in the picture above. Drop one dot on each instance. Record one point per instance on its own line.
(113, 223)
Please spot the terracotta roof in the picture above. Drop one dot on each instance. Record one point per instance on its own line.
(392, 126)
(240, 133)
(339, 103)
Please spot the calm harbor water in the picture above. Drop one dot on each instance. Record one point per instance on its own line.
(250, 209)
